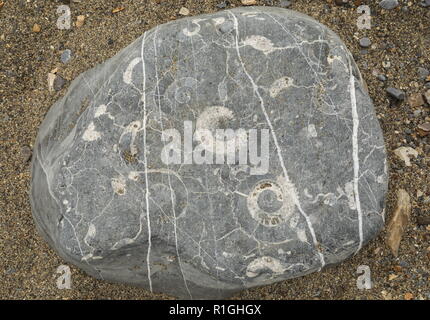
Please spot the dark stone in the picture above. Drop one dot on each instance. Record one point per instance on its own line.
(365, 42)
(104, 199)
(396, 93)
(59, 83)
(381, 77)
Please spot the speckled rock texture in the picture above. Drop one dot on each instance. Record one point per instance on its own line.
(106, 202)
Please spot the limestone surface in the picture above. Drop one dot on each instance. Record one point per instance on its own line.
(105, 198)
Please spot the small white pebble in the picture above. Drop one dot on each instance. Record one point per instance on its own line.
(184, 11)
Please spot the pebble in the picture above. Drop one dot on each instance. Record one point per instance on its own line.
(222, 5)
(285, 4)
(80, 21)
(36, 28)
(416, 100)
(417, 113)
(66, 56)
(424, 129)
(388, 4)
(427, 96)
(184, 11)
(382, 78)
(423, 73)
(365, 42)
(423, 221)
(118, 9)
(340, 2)
(396, 93)
(51, 79)
(26, 153)
(59, 83)
(249, 2)
(405, 154)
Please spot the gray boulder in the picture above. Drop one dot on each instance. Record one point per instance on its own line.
(119, 190)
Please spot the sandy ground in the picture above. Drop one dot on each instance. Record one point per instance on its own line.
(28, 265)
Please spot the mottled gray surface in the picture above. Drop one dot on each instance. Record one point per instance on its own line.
(104, 200)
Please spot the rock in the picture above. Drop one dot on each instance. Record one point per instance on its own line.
(423, 73)
(416, 100)
(398, 221)
(417, 113)
(184, 11)
(59, 83)
(365, 42)
(149, 216)
(249, 2)
(396, 93)
(222, 5)
(389, 4)
(80, 20)
(36, 28)
(118, 9)
(424, 129)
(409, 296)
(341, 2)
(382, 78)
(392, 277)
(51, 79)
(26, 153)
(427, 96)
(66, 56)
(423, 221)
(404, 153)
(285, 3)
